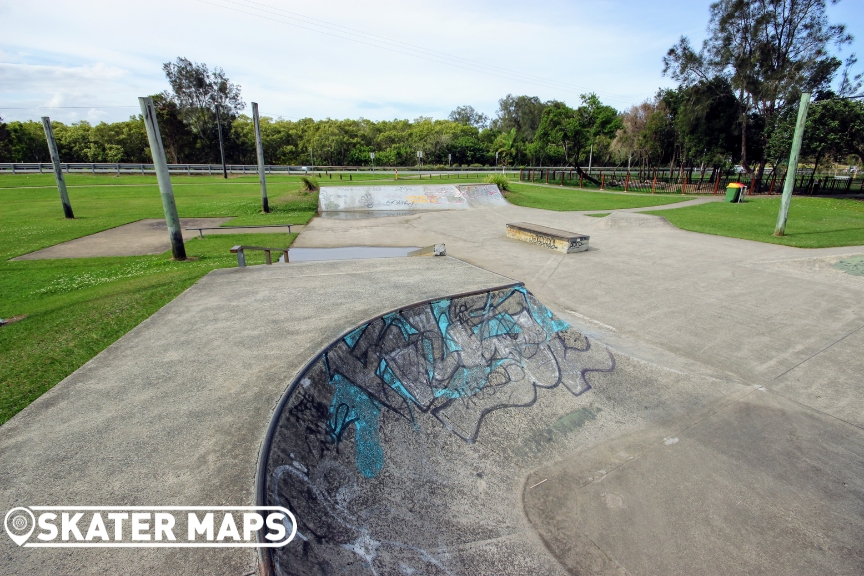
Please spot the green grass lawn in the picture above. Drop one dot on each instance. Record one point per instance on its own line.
(572, 199)
(77, 307)
(812, 223)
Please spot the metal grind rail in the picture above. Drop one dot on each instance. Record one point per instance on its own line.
(268, 259)
(201, 229)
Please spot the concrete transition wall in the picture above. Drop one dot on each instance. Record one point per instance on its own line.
(377, 446)
(483, 194)
(423, 197)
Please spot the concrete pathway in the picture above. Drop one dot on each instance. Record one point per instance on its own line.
(148, 236)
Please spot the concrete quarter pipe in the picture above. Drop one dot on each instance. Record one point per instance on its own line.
(410, 198)
(378, 444)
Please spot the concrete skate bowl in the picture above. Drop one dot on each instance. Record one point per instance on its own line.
(418, 198)
(403, 447)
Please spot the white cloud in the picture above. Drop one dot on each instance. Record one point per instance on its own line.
(108, 52)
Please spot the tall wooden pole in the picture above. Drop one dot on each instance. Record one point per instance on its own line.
(789, 184)
(265, 205)
(58, 172)
(221, 145)
(160, 163)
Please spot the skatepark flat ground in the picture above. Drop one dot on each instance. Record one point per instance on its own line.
(729, 440)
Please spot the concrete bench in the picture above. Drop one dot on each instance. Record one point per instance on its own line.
(552, 238)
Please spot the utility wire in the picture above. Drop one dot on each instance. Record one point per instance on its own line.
(411, 47)
(401, 47)
(61, 107)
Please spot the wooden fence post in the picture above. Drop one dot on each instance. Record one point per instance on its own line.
(602, 180)
(654, 185)
(160, 165)
(580, 180)
(627, 182)
(259, 148)
(58, 172)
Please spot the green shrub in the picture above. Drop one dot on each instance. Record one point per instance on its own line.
(309, 184)
(499, 180)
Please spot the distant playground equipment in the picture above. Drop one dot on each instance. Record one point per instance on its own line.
(407, 198)
(552, 238)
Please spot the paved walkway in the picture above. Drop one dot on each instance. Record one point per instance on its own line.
(148, 236)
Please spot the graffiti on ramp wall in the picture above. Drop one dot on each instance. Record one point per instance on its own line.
(385, 391)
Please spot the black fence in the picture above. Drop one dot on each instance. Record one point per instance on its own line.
(662, 181)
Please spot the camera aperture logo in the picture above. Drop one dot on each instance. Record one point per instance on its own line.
(150, 526)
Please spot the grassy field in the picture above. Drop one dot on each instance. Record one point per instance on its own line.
(812, 223)
(570, 199)
(77, 307)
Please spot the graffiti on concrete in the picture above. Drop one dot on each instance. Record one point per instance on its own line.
(437, 368)
(483, 194)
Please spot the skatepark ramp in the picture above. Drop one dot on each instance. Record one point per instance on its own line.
(408, 198)
(402, 442)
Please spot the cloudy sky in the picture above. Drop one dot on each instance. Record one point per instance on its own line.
(90, 60)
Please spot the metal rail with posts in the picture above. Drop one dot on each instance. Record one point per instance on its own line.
(268, 259)
(202, 228)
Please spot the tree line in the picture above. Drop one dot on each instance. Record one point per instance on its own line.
(735, 104)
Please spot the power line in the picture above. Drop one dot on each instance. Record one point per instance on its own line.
(402, 48)
(412, 47)
(62, 107)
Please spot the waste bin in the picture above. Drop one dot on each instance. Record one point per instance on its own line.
(733, 191)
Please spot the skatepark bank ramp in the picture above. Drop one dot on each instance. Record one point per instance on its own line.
(408, 198)
(379, 445)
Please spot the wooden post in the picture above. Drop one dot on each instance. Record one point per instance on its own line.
(602, 180)
(58, 172)
(684, 185)
(267, 258)
(789, 185)
(654, 185)
(285, 252)
(160, 165)
(580, 180)
(547, 176)
(259, 146)
(773, 179)
(627, 182)
(717, 183)
(562, 178)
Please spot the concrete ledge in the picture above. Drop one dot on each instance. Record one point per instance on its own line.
(552, 238)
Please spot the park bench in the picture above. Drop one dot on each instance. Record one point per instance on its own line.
(241, 256)
(201, 229)
(551, 238)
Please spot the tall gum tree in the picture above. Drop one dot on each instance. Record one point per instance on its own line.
(769, 50)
